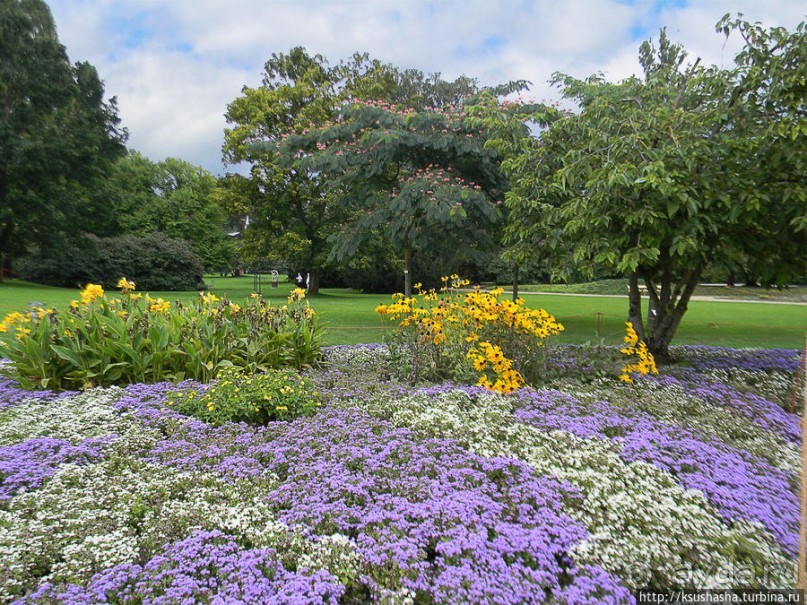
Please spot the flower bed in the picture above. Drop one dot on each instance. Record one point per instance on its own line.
(576, 492)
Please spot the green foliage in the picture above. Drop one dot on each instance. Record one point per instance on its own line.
(154, 262)
(102, 341)
(657, 178)
(290, 215)
(416, 177)
(57, 134)
(174, 198)
(236, 396)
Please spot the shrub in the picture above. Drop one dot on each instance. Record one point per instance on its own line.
(102, 341)
(253, 398)
(154, 261)
(462, 335)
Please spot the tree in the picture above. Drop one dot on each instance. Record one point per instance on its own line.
(412, 176)
(296, 209)
(771, 148)
(57, 134)
(657, 177)
(290, 217)
(510, 125)
(172, 197)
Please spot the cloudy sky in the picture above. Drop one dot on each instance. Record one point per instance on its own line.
(174, 65)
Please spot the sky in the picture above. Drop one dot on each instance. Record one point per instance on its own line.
(175, 65)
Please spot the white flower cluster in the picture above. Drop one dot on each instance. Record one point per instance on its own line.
(123, 510)
(675, 406)
(776, 386)
(643, 525)
(89, 414)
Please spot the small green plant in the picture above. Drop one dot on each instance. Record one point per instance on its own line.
(237, 396)
(102, 340)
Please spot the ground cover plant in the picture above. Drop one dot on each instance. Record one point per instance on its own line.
(578, 490)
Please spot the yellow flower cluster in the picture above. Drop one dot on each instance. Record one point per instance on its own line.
(460, 317)
(208, 298)
(488, 308)
(125, 286)
(90, 293)
(486, 356)
(644, 363)
(158, 305)
(21, 320)
(296, 294)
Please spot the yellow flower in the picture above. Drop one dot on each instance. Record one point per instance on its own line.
(209, 298)
(15, 317)
(3, 328)
(21, 333)
(296, 294)
(90, 293)
(159, 305)
(125, 286)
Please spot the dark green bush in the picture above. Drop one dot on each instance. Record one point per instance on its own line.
(153, 262)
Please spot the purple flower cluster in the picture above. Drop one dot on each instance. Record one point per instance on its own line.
(459, 527)
(424, 515)
(739, 485)
(768, 415)
(765, 413)
(720, 358)
(454, 526)
(208, 566)
(12, 395)
(25, 466)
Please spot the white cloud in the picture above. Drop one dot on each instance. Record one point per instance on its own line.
(175, 64)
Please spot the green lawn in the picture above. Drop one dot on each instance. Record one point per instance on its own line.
(351, 317)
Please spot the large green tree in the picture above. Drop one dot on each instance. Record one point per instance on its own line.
(57, 134)
(172, 197)
(297, 209)
(413, 176)
(289, 214)
(658, 177)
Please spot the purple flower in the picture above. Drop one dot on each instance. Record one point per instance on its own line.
(25, 466)
(12, 395)
(739, 485)
(208, 566)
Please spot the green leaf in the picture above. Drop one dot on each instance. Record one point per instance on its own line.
(67, 354)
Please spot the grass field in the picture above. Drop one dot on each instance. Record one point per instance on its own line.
(351, 319)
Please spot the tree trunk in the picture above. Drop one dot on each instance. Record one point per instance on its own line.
(408, 272)
(635, 305)
(669, 318)
(313, 280)
(515, 282)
